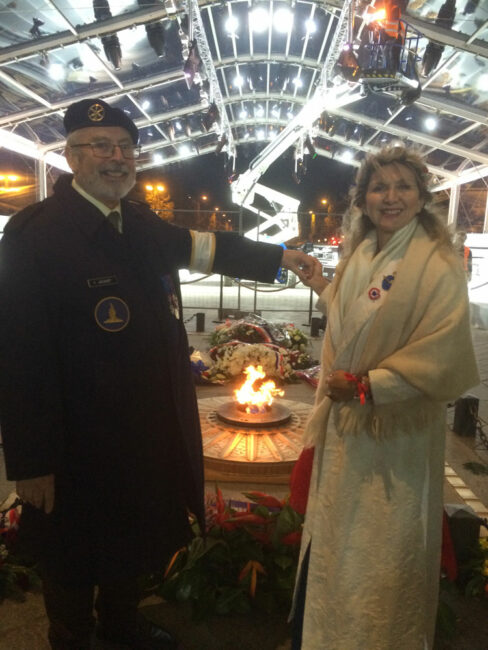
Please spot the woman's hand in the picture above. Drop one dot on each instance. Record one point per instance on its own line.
(340, 388)
(314, 278)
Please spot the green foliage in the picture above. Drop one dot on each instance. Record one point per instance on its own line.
(247, 560)
(473, 574)
(17, 574)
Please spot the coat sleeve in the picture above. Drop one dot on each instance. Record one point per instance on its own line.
(30, 404)
(228, 253)
(243, 258)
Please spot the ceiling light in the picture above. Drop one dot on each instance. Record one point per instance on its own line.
(259, 19)
(311, 26)
(146, 104)
(238, 81)
(231, 25)
(184, 150)
(297, 82)
(258, 111)
(260, 134)
(275, 111)
(347, 156)
(430, 123)
(57, 71)
(283, 20)
(243, 114)
(482, 82)
(211, 117)
(178, 125)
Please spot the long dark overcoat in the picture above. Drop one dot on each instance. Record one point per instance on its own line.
(95, 381)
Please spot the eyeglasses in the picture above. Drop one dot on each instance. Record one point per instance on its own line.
(106, 149)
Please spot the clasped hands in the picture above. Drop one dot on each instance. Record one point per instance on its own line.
(307, 268)
(39, 492)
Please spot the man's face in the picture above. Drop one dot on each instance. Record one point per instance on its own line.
(106, 179)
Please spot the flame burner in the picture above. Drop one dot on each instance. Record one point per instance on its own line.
(271, 416)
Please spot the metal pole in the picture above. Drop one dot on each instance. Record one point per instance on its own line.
(221, 297)
(485, 225)
(310, 307)
(453, 205)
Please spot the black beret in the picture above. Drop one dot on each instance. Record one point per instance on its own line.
(96, 112)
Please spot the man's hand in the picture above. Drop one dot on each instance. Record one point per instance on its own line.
(315, 280)
(299, 262)
(39, 492)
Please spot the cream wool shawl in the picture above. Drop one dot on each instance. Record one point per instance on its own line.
(421, 332)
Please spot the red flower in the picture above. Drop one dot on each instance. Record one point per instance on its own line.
(292, 539)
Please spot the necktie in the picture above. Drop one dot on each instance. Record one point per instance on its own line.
(116, 220)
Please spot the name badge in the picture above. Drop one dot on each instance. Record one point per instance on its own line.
(105, 281)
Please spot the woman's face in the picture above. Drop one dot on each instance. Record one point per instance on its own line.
(392, 199)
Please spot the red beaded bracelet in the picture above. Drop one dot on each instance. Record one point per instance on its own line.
(363, 389)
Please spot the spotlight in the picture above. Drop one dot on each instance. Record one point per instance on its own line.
(221, 144)
(332, 127)
(300, 170)
(349, 131)
(431, 58)
(192, 64)
(155, 36)
(101, 9)
(34, 30)
(210, 117)
(311, 149)
(113, 52)
(76, 63)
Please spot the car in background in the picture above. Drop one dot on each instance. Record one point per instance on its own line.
(328, 256)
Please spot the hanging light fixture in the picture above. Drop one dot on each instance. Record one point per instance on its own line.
(110, 42)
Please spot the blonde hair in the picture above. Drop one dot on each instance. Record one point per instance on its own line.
(357, 224)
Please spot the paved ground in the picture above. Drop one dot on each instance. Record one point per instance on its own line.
(23, 625)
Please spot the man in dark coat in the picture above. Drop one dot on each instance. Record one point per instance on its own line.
(97, 407)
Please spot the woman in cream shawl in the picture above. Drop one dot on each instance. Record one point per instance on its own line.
(398, 333)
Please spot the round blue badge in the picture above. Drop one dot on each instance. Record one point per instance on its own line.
(387, 282)
(112, 314)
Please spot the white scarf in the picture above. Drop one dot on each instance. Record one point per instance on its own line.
(418, 328)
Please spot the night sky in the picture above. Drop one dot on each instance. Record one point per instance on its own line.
(208, 175)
